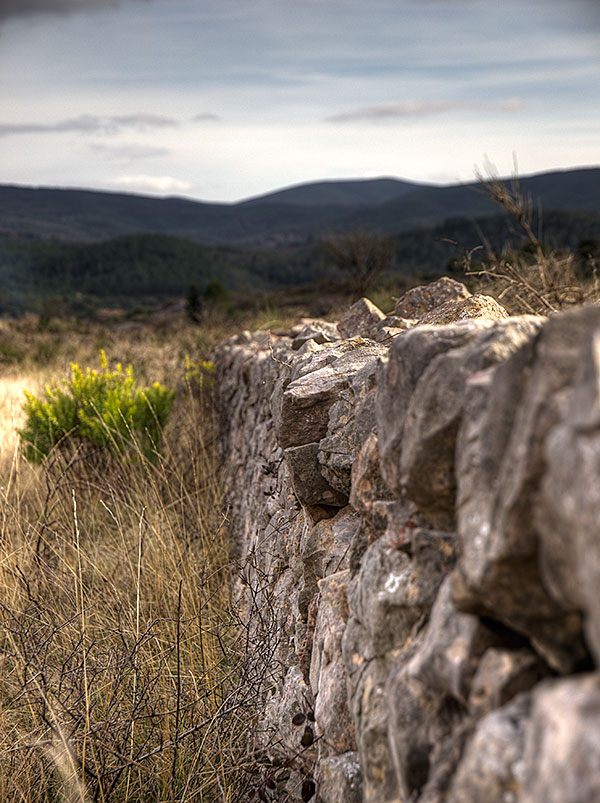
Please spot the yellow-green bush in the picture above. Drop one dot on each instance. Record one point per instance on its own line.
(102, 408)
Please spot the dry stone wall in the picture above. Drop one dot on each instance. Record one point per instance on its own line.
(415, 508)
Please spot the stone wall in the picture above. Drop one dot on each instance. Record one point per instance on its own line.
(415, 506)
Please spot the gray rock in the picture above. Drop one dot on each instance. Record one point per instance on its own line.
(420, 300)
(385, 334)
(492, 766)
(327, 669)
(325, 547)
(367, 486)
(562, 756)
(426, 733)
(501, 675)
(499, 571)
(340, 779)
(351, 421)
(434, 414)
(370, 711)
(451, 648)
(397, 378)
(398, 581)
(360, 319)
(302, 414)
(310, 486)
(319, 331)
(571, 566)
(477, 306)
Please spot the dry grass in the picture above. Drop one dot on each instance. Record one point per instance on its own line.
(121, 675)
(535, 279)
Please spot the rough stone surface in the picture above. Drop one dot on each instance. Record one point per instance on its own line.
(500, 571)
(463, 309)
(562, 753)
(415, 526)
(317, 332)
(340, 779)
(397, 377)
(492, 766)
(420, 300)
(571, 567)
(360, 319)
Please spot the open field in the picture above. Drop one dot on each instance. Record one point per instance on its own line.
(121, 663)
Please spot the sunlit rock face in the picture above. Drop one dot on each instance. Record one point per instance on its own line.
(415, 514)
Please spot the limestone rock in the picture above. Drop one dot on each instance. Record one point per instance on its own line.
(562, 756)
(452, 645)
(499, 571)
(340, 779)
(327, 670)
(325, 547)
(310, 486)
(492, 766)
(426, 733)
(301, 414)
(420, 300)
(435, 411)
(360, 319)
(398, 581)
(318, 331)
(351, 421)
(367, 486)
(571, 566)
(397, 377)
(477, 306)
(501, 675)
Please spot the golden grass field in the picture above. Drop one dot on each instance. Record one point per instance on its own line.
(120, 664)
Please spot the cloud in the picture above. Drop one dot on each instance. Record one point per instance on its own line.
(204, 117)
(91, 124)
(129, 151)
(412, 109)
(156, 184)
(26, 8)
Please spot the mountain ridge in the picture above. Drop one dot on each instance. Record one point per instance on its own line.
(292, 215)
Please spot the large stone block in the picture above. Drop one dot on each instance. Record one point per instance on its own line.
(360, 319)
(569, 502)
(562, 756)
(340, 779)
(492, 767)
(435, 411)
(501, 464)
(301, 413)
(327, 670)
(477, 306)
(397, 378)
(420, 300)
(453, 643)
(310, 486)
(351, 421)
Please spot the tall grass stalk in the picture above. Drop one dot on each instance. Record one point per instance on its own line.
(120, 666)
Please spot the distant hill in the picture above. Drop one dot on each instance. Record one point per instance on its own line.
(294, 215)
(358, 192)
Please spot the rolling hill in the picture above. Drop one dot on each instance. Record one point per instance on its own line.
(295, 215)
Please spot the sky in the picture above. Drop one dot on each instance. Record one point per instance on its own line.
(221, 100)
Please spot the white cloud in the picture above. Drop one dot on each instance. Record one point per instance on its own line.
(408, 109)
(153, 184)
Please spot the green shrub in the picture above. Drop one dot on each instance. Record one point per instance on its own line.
(102, 408)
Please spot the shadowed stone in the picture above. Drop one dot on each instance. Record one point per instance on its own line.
(420, 300)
